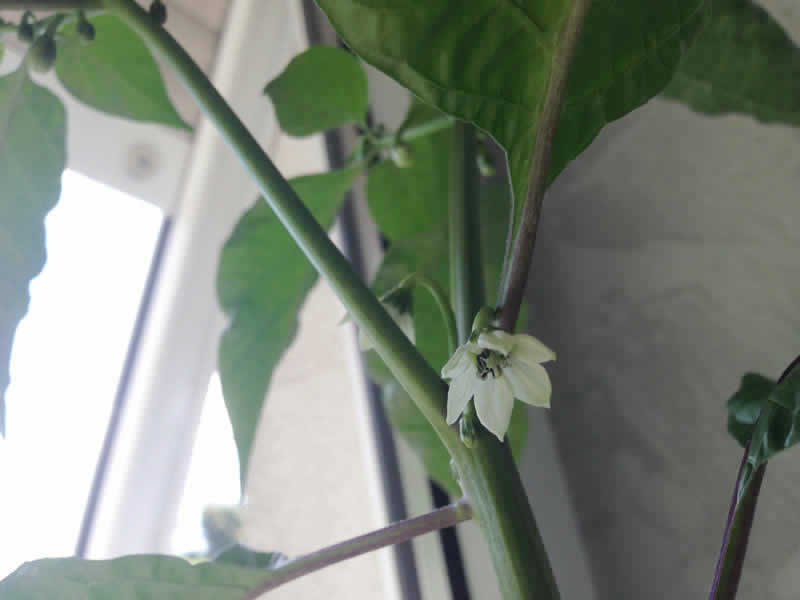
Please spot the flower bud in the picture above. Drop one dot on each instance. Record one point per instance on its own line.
(158, 12)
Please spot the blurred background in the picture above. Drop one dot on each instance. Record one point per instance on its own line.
(666, 267)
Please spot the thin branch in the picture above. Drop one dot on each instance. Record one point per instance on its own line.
(393, 534)
(513, 290)
(409, 134)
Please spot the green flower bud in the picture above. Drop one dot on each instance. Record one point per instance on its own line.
(158, 12)
(42, 54)
(401, 156)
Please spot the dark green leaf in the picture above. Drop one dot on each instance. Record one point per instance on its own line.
(115, 73)
(130, 578)
(242, 556)
(410, 207)
(32, 158)
(261, 282)
(490, 62)
(744, 407)
(321, 88)
(742, 62)
(777, 427)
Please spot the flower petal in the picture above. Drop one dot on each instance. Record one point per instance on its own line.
(458, 394)
(494, 402)
(458, 363)
(531, 351)
(530, 383)
(498, 340)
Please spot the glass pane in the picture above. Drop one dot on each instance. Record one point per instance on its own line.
(66, 363)
(213, 479)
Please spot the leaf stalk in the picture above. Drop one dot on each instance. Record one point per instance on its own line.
(515, 274)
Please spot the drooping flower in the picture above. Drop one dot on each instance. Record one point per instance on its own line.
(495, 368)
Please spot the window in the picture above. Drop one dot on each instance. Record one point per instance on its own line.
(66, 362)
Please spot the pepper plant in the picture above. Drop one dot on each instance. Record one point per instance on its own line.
(540, 78)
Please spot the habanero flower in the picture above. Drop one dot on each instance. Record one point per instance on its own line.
(494, 369)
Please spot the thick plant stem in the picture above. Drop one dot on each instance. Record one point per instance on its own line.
(406, 363)
(487, 472)
(741, 513)
(393, 534)
(490, 479)
(513, 287)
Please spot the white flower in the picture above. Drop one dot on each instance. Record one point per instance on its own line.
(496, 369)
(404, 320)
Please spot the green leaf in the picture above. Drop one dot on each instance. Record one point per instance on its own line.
(778, 427)
(321, 88)
(743, 62)
(261, 282)
(115, 73)
(490, 62)
(129, 578)
(409, 205)
(32, 158)
(744, 407)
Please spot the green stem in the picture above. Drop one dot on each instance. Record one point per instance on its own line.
(393, 534)
(490, 479)
(487, 472)
(410, 134)
(466, 268)
(515, 277)
(406, 363)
